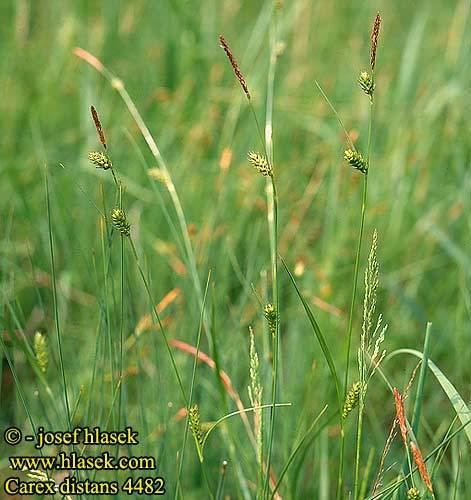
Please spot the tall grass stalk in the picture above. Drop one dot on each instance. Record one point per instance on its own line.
(56, 304)
(272, 216)
(373, 48)
(353, 302)
(121, 325)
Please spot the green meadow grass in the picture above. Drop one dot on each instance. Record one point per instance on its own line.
(203, 252)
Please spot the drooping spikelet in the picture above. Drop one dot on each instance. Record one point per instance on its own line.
(356, 160)
(41, 350)
(367, 83)
(351, 399)
(120, 221)
(413, 494)
(260, 163)
(271, 316)
(195, 424)
(100, 160)
(374, 40)
(419, 461)
(235, 66)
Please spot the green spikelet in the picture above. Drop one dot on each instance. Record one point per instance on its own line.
(367, 83)
(356, 160)
(195, 424)
(120, 221)
(100, 160)
(260, 163)
(271, 316)
(413, 494)
(351, 400)
(41, 350)
(196, 430)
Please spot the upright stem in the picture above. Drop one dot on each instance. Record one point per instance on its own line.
(362, 378)
(350, 317)
(56, 305)
(273, 227)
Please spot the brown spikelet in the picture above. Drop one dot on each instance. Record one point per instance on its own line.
(374, 40)
(99, 128)
(419, 461)
(400, 416)
(234, 65)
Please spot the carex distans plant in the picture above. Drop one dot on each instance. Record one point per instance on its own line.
(361, 162)
(263, 163)
(120, 223)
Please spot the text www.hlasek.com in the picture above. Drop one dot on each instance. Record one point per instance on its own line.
(65, 461)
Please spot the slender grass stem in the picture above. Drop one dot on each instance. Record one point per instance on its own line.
(272, 216)
(349, 336)
(56, 305)
(156, 317)
(121, 326)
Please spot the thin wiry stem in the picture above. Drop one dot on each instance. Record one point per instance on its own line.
(156, 317)
(56, 305)
(272, 215)
(349, 335)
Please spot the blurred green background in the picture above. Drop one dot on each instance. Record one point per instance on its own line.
(167, 54)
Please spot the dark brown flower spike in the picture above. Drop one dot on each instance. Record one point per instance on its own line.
(99, 128)
(234, 65)
(374, 40)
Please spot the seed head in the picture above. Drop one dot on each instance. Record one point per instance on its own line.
(120, 221)
(271, 316)
(400, 416)
(235, 66)
(260, 163)
(367, 83)
(413, 494)
(99, 128)
(356, 160)
(419, 461)
(195, 424)
(374, 40)
(41, 350)
(100, 160)
(351, 400)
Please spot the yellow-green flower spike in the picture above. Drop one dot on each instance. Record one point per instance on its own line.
(120, 221)
(351, 400)
(100, 160)
(195, 424)
(367, 83)
(260, 163)
(413, 494)
(356, 160)
(41, 350)
(271, 316)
